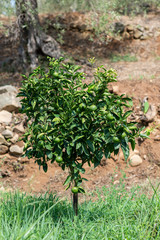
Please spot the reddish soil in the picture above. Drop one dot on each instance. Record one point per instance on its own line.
(138, 80)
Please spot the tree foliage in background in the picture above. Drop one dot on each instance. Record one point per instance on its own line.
(7, 8)
(118, 6)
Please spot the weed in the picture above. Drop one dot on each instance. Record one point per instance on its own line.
(123, 58)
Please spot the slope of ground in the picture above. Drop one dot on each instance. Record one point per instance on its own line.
(138, 79)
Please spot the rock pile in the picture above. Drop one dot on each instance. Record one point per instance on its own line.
(11, 124)
(132, 31)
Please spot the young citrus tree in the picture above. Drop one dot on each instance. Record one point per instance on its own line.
(72, 122)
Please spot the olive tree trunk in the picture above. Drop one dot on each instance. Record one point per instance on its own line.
(32, 37)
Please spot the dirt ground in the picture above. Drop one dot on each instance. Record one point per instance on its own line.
(136, 79)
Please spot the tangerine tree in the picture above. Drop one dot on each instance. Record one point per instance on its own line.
(73, 123)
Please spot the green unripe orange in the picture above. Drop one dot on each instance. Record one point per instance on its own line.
(74, 189)
(123, 135)
(116, 140)
(110, 116)
(93, 107)
(57, 140)
(59, 159)
(56, 74)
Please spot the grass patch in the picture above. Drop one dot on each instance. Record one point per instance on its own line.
(123, 58)
(116, 214)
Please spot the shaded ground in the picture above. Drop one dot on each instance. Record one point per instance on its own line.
(137, 79)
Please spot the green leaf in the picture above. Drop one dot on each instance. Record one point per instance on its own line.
(49, 147)
(33, 104)
(133, 143)
(78, 145)
(125, 149)
(96, 163)
(68, 180)
(91, 146)
(127, 114)
(84, 179)
(49, 154)
(130, 102)
(45, 167)
(85, 150)
(40, 135)
(99, 155)
(69, 150)
(68, 186)
(117, 146)
(144, 135)
(107, 153)
(146, 107)
(78, 137)
(82, 170)
(81, 190)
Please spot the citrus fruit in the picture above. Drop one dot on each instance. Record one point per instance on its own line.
(110, 116)
(57, 140)
(123, 135)
(116, 139)
(118, 102)
(74, 189)
(59, 159)
(93, 107)
(56, 74)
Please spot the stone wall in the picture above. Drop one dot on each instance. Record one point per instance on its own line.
(11, 122)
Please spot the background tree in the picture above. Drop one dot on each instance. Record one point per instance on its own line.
(32, 37)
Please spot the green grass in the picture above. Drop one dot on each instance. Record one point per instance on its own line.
(123, 58)
(116, 214)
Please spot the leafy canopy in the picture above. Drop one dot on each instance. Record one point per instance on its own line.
(72, 122)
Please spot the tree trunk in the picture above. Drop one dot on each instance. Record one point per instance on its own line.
(32, 37)
(75, 203)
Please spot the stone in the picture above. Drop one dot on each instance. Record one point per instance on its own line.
(5, 117)
(15, 138)
(15, 150)
(150, 115)
(8, 99)
(5, 173)
(135, 160)
(116, 182)
(121, 155)
(19, 128)
(7, 133)
(130, 28)
(115, 89)
(140, 28)
(137, 34)
(126, 35)
(2, 128)
(157, 138)
(144, 36)
(133, 153)
(119, 27)
(3, 141)
(3, 149)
